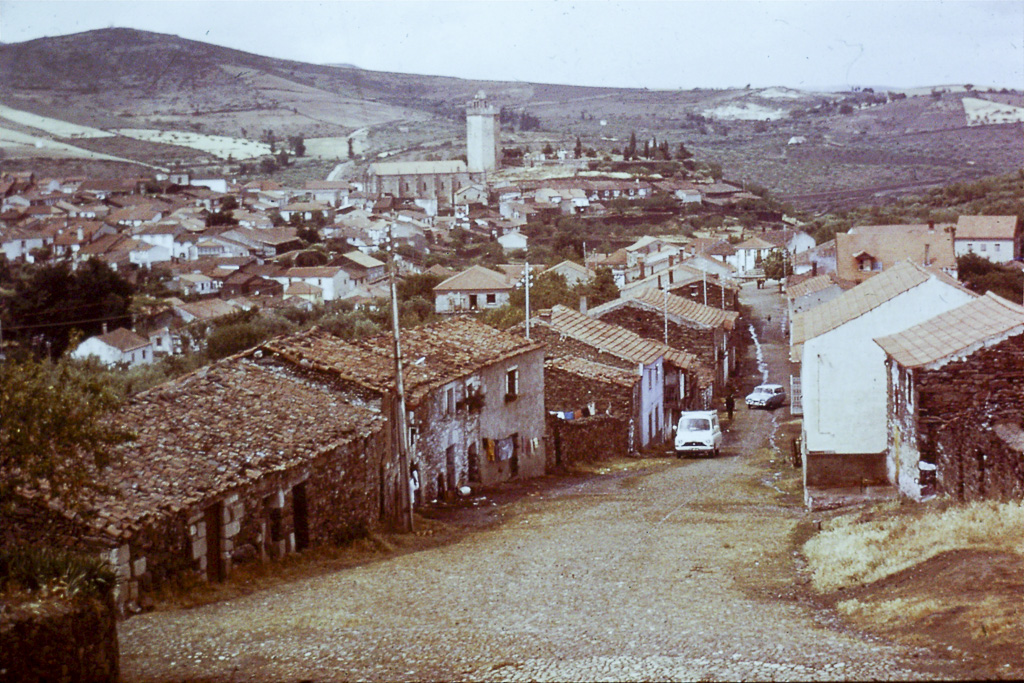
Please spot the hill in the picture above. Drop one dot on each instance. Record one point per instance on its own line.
(134, 96)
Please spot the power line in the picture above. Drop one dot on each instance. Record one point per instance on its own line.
(70, 323)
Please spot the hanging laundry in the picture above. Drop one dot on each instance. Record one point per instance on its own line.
(489, 446)
(505, 448)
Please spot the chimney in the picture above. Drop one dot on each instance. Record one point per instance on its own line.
(104, 328)
(583, 304)
(931, 225)
(926, 254)
(814, 268)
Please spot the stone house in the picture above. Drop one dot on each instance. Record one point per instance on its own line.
(705, 331)
(952, 381)
(331, 281)
(593, 410)
(474, 396)
(843, 376)
(666, 374)
(206, 486)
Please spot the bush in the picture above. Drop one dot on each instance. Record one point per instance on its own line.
(54, 570)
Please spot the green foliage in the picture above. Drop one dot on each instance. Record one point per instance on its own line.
(601, 289)
(53, 435)
(417, 285)
(504, 317)
(230, 337)
(777, 265)
(51, 300)
(546, 290)
(981, 275)
(55, 571)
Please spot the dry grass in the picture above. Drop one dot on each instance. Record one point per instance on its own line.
(858, 549)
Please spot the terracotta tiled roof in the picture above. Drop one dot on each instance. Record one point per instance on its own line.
(196, 437)
(474, 278)
(755, 243)
(890, 244)
(855, 302)
(986, 227)
(123, 340)
(593, 370)
(676, 306)
(615, 340)
(955, 333)
(809, 286)
(417, 167)
(433, 354)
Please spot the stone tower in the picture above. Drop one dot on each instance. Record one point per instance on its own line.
(482, 130)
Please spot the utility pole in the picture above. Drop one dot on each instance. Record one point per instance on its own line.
(664, 298)
(527, 299)
(404, 492)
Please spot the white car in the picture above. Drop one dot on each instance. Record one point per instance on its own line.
(698, 432)
(766, 396)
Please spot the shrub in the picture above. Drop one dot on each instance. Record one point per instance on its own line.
(55, 571)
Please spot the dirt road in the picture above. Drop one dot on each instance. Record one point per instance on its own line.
(671, 570)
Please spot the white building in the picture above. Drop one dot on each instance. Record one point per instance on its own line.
(843, 374)
(119, 346)
(997, 238)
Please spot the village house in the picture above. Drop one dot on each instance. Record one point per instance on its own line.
(843, 377)
(362, 269)
(997, 238)
(473, 289)
(513, 241)
(666, 374)
(804, 293)
(474, 394)
(749, 254)
(705, 331)
(330, 282)
(956, 402)
(591, 407)
(867, 250)
(817, 260)
(573, 273)
(200, 490)
(118, 346)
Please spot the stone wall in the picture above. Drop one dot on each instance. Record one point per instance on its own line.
(976, 461)
(719, 297)
(342, 494)
(844, 470)
(61, 641)
(957, 408)
(705, 343)
(588, 439)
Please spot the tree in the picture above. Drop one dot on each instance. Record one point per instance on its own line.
(298, 145)
(579, 148)
(54, 435)
(777, 265)
(54, 300)
(601, 289)
(683, 153)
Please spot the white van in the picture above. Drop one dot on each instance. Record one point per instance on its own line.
(698, 432)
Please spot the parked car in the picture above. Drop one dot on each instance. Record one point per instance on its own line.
(698, 432)
(766, 396)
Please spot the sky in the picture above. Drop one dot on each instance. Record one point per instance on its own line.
(819, 44)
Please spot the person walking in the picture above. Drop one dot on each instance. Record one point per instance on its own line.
(730, 405)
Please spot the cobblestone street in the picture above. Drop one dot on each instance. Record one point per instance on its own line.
(674, 570)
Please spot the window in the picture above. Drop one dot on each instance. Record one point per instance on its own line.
(450, 401)
(512, 384)
(995, 247)
(984, 247)
(492, 298)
